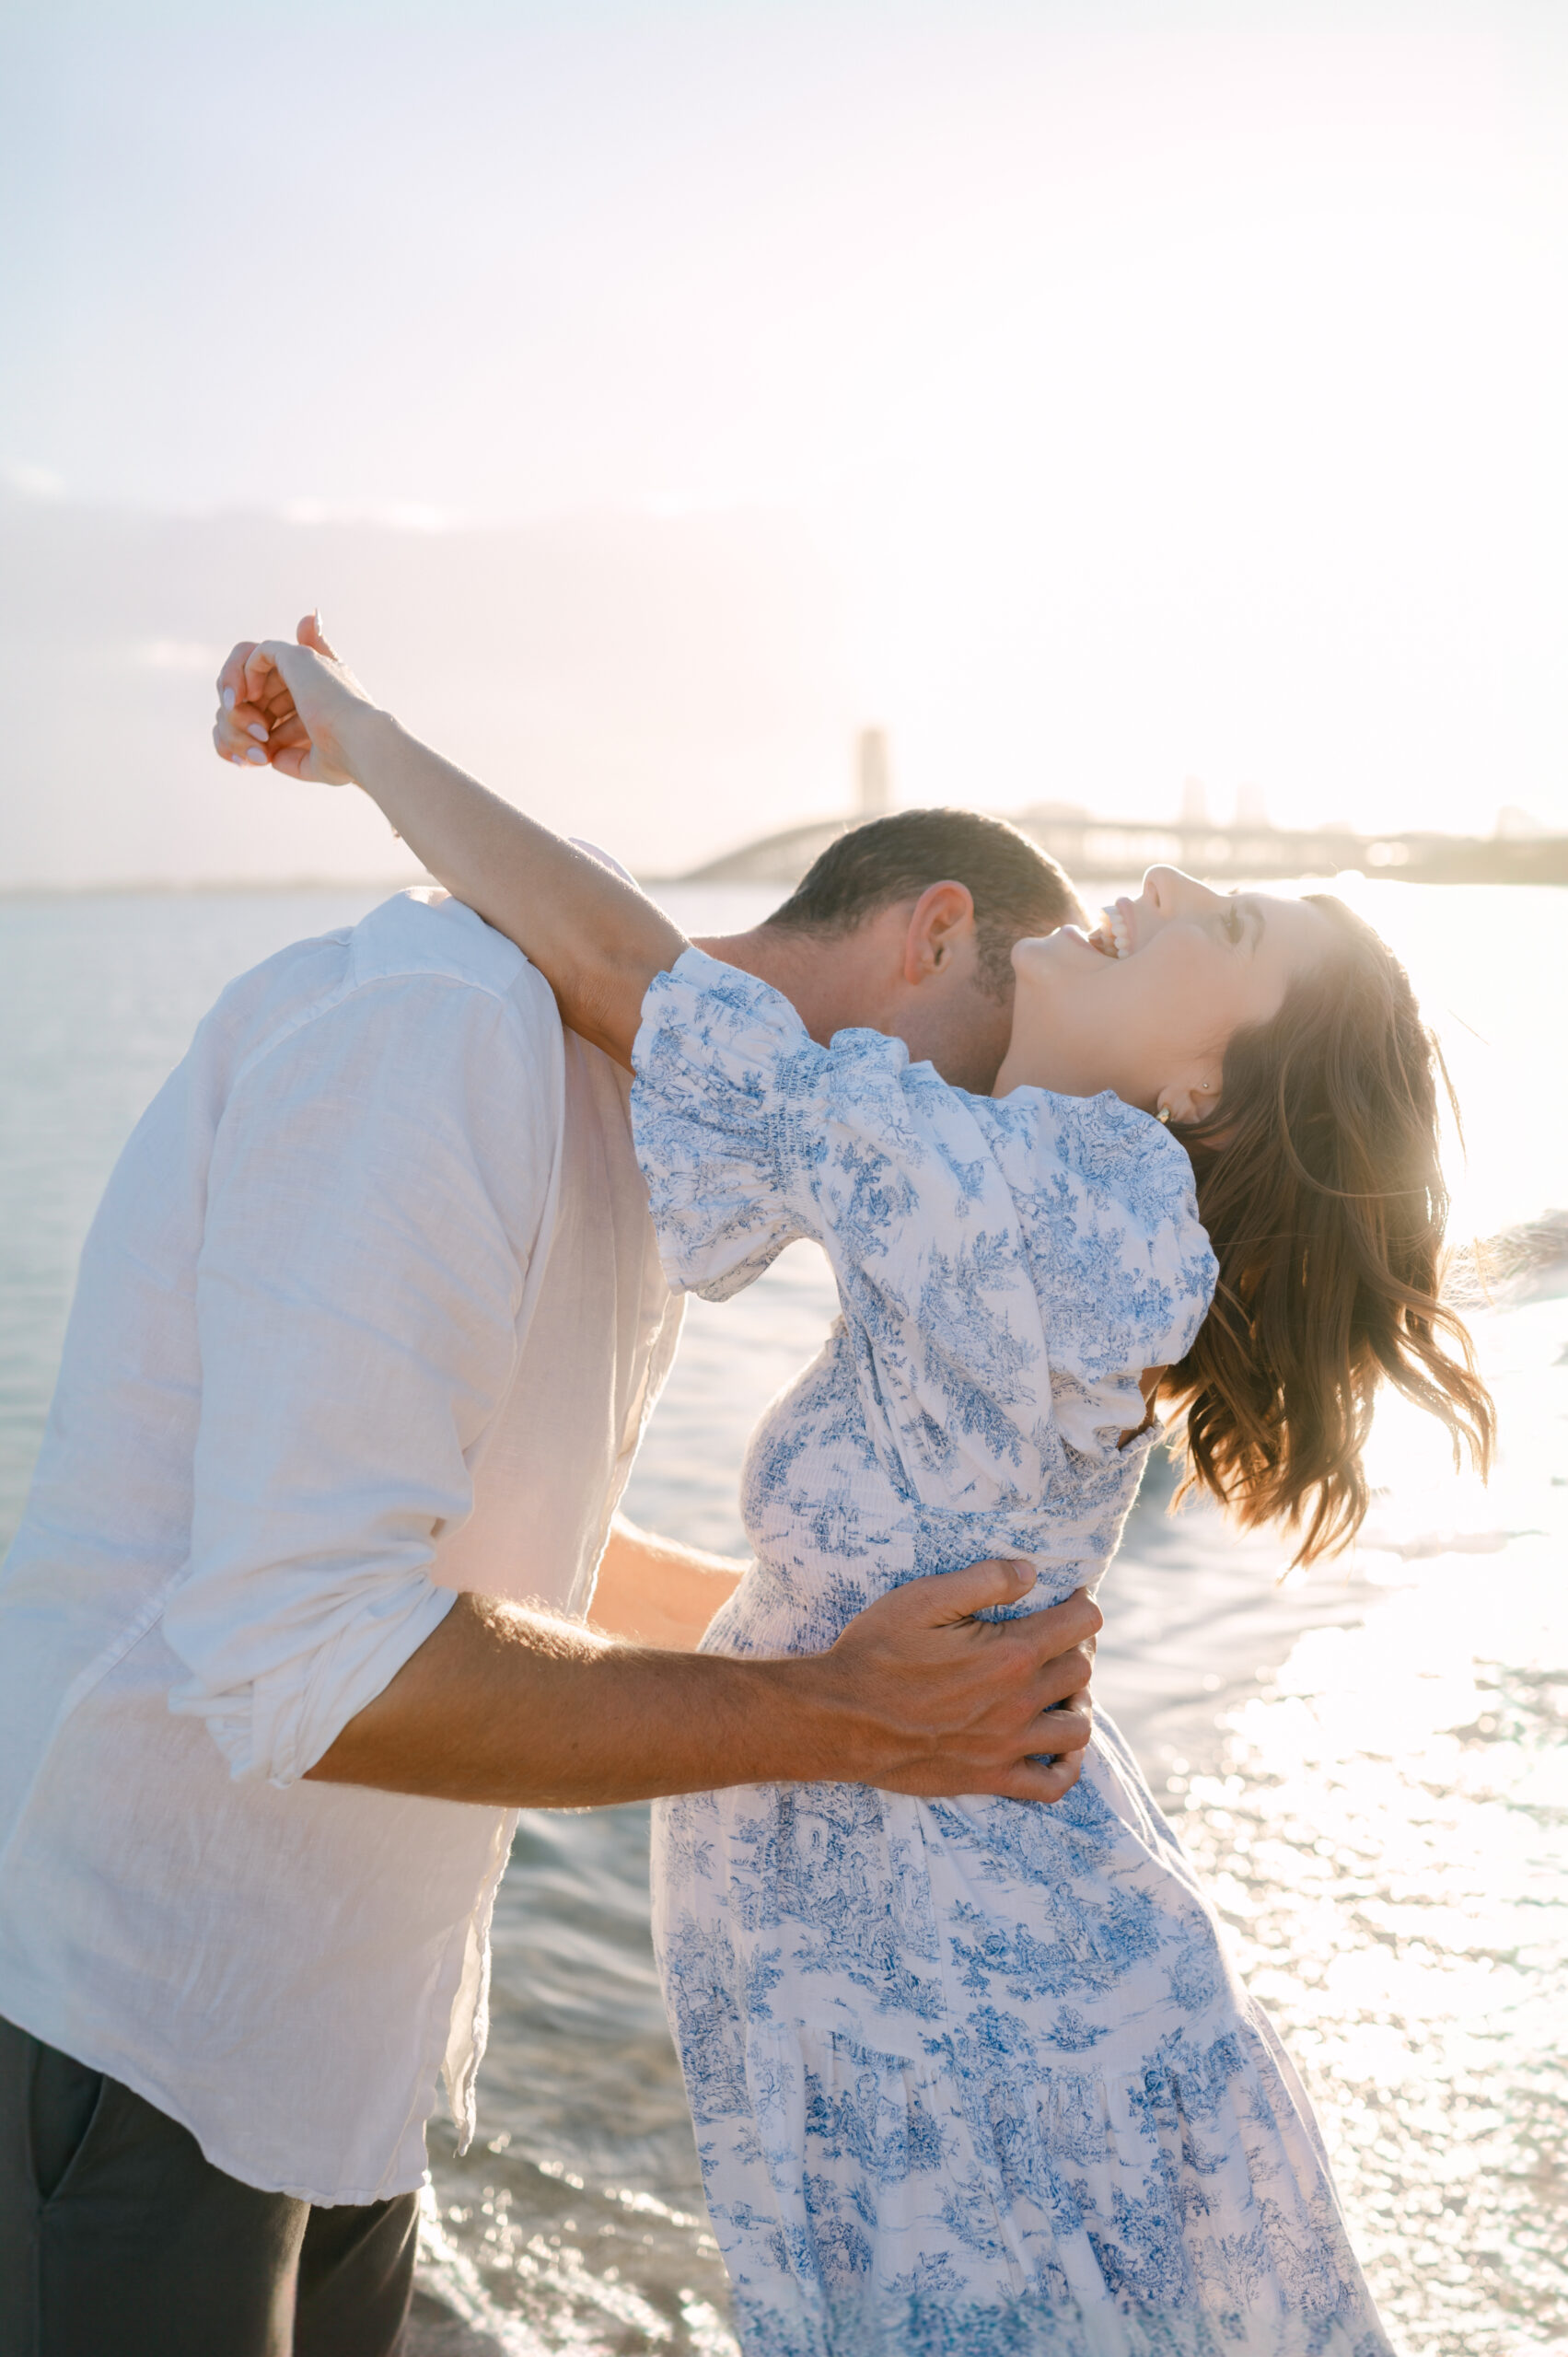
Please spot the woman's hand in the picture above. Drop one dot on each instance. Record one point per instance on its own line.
(295, 707)
(597, 941)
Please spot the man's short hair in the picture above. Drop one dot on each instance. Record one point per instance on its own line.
(1016, 889)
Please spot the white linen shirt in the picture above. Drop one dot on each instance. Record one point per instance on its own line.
(371, 1312)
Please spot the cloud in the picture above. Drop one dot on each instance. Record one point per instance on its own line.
(390, 515)
(33, 483)
(665, 687)
(177, 654)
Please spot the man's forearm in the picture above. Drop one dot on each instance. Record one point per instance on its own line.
(521, 1711)
(922, 1692)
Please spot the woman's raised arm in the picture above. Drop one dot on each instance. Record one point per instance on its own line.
(597, 940)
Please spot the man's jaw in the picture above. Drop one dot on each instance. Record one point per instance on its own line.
(833, 990)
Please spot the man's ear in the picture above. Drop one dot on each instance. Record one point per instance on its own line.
(941, 928)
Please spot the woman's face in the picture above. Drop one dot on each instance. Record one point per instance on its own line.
(1148, 1004)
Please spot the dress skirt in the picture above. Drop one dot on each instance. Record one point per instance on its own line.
(977, 2077)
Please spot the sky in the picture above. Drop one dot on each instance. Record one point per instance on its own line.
(1093, 396)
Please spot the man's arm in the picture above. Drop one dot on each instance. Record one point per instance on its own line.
(510, 1707)
(374, 1195)
(655, 1592)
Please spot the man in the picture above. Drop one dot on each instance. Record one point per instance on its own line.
(367, 1329)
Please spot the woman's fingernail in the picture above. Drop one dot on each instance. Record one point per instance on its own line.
(228, 699)
(257, 731)
(255, 754)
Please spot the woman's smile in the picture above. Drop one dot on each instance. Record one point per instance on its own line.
(1114, 938)
(1178, 970)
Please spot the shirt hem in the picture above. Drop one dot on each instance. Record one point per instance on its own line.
(34, 2021)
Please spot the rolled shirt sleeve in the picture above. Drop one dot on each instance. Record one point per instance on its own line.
(377, 1194)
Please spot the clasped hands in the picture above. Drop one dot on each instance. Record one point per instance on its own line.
(289, 706)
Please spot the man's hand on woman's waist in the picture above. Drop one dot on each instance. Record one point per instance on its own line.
(517, 1709)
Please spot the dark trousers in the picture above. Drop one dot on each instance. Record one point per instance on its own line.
(119, 2240)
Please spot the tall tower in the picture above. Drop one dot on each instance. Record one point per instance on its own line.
(874, 775)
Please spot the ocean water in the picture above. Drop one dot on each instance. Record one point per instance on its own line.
(1369, 1761)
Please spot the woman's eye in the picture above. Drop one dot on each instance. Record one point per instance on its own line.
(1235, 926)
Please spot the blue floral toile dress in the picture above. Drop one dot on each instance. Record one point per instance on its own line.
(968, 2076)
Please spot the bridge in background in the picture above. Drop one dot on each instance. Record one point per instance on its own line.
(1097, 851)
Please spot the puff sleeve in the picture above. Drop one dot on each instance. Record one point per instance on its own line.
(750, 1135)
(1006, 1269)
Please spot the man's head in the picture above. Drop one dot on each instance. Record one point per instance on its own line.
(907, 926)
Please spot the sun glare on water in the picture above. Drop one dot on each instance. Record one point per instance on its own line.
(1384, 1831)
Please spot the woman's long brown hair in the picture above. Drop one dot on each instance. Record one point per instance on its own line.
(1321, 1189)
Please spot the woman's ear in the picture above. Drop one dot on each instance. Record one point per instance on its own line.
(941, 925)
(1191, 1099)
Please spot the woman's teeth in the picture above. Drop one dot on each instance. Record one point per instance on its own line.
(1111, 937)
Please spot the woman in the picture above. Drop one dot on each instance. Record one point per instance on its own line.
(977, 2075)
